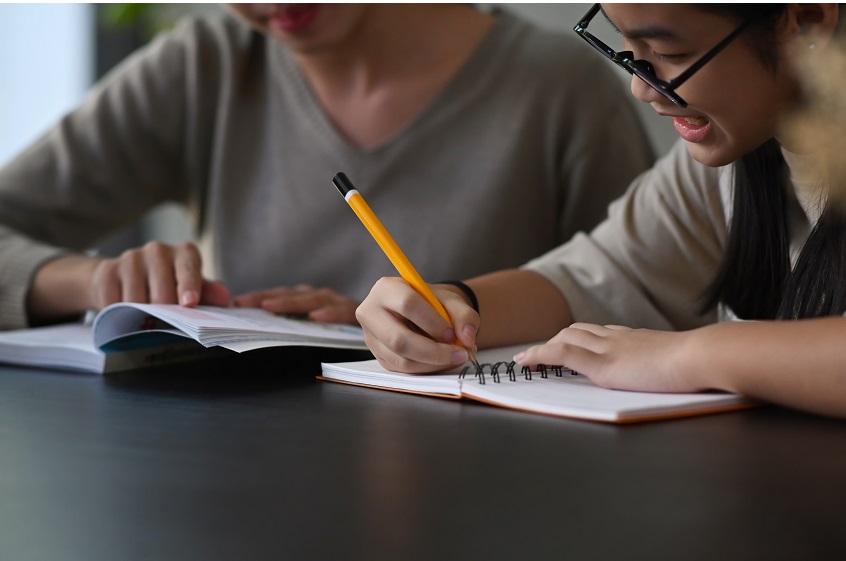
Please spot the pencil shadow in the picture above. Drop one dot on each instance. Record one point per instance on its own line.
(253, 372)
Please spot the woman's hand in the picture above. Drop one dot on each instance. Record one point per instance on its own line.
(406, 334)
(155, 273)
(318, 304)
(618, 357)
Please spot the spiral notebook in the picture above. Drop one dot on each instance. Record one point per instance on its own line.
(549, 391)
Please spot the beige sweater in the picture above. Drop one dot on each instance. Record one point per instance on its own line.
(649, 262)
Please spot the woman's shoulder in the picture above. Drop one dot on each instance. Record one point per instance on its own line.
(555, 60)
(559, 51)
(209, 32)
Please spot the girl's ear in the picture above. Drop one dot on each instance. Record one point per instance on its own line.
(809, 27)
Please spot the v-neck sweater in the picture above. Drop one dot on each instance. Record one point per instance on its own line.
(525, 146)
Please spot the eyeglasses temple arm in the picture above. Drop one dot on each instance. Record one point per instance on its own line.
(681, 78)
(583, 23)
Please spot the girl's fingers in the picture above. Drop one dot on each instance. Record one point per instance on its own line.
(397, 297)
(567, 355)
(575, 347)
(392, 336)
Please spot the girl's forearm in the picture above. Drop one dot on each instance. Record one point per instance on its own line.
(798, 364)
(518, 306)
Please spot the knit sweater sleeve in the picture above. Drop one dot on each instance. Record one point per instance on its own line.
(131, 144)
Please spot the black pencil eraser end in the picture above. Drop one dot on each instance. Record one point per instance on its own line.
(343, 183)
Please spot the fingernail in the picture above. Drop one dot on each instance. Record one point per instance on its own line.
(459, 356)
(189, 297)
(449, 335)
(469, 332)
(519, 356)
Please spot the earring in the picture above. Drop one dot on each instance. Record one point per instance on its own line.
(812, 46)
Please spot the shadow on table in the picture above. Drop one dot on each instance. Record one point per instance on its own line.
(228, 373)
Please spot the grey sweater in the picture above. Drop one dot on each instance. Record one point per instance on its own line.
(526, 146)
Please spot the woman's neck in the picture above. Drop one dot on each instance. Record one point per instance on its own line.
(396, 41)
(387, 70)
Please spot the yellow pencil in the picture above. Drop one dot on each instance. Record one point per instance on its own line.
(390, 247)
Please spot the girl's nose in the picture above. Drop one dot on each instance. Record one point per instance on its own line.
(644, 92)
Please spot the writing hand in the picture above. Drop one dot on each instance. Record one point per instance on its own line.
(406, 334)
(318, 304)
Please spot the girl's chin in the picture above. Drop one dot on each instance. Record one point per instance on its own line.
(710, 155)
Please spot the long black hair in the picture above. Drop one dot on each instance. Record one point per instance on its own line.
(755, 279)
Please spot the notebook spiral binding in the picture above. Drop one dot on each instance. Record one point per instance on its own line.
(479, 371)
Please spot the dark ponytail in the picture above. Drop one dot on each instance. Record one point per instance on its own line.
(817, 286)
(756, 263)
(755, 279)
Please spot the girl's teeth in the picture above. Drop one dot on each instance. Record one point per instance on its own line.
(697, 121)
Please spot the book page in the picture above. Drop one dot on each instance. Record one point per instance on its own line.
(62, 346)
(236, 328)
(370, 373)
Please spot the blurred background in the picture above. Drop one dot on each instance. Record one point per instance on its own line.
(51, 54)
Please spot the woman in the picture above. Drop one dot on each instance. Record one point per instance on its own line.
(459, 115)
(732, 224)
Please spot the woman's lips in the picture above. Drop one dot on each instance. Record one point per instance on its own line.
(295, 18)
(692, 129)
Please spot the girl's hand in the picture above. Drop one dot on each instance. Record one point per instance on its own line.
(406, 334)
(618, 357)
(318, 304)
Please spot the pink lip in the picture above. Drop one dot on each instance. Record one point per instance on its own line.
(691, 132)
(295, 18)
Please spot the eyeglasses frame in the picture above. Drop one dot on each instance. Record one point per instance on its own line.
(643, 69)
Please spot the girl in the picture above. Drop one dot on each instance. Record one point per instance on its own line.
(732, 224)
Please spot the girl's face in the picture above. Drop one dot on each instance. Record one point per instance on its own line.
(304, 28)
(734, 101)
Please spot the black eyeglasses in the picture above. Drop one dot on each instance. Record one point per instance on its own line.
(643, 69)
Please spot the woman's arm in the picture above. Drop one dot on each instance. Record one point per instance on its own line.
(69, 285)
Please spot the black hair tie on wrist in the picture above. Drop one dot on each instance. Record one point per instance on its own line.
(468, 292)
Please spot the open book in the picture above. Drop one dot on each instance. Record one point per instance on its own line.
(560, 393)
(127, 335)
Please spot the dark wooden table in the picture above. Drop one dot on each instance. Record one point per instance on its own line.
(253, 459)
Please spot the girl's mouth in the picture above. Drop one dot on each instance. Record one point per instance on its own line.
(692, 129)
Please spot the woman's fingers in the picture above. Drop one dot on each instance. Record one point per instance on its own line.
(187, 270)
(155, 273)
